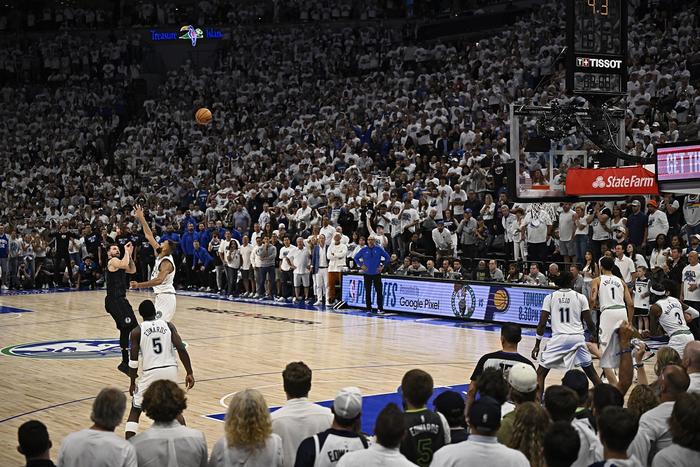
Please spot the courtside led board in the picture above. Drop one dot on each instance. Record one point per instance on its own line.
(596, 36)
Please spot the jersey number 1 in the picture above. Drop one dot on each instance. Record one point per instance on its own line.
(157, 346)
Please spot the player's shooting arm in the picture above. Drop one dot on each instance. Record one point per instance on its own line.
(131, 267)
(184, 356)
(147, 232)
(115, 263)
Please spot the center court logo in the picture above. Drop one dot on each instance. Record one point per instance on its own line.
(463, 301)
(66, 349)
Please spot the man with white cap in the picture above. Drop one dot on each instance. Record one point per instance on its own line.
(522, 379)
(326, 448)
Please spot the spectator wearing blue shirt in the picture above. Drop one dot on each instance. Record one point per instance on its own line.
(187, 247)
(637, 225)
(87, 273)
(371, 260)
(201, 262)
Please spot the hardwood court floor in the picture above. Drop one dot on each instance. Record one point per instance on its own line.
(233, 346)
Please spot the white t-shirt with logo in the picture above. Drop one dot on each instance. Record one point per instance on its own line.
(691, 275)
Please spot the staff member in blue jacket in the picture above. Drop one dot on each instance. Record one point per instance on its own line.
(372, 259)
(201, 260)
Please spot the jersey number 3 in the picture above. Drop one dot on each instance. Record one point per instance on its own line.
(157, 346)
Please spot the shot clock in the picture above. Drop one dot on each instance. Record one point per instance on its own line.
(596, 34)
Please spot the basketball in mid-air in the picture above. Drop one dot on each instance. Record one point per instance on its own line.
(203, 116)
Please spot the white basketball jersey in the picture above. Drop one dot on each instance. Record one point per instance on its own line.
(157, 345)
(565, 307)
(334, 447)
(167, 285)
(672, 318)
(641, 287)
(611, 293)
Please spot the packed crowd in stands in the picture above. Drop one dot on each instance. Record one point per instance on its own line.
(382, 137)
(76, 14)
(506, 420)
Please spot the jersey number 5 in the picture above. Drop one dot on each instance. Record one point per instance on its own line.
(157, 346)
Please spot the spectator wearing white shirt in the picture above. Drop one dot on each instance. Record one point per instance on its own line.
(538, 231)
(389, 430)
(690, 291)
(248, 435)
(658, 222)
(443, 241)
(298, 418)
(99, 445)
(653, 434)
(286, 268)
(624, 263)
(482, 447)
(167, 442)
(567, 229)
(691, 361)
(301, 261)
(337, 254)
(683, 424)
(247, 276)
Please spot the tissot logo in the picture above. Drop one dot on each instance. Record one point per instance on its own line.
(585, 62)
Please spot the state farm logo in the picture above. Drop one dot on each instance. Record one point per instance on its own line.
(586, 62)
(613, 181)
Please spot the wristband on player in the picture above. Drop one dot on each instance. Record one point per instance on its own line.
(133, 364)
(538, 337)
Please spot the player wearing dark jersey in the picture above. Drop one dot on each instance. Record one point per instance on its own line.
(116, 303)
(426, 431)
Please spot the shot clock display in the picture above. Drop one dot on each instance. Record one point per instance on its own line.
(596, 46)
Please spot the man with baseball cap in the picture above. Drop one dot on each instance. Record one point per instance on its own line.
(522, 382)
(326, 448)
(482, 447)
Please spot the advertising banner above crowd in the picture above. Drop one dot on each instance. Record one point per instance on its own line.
(449, 298)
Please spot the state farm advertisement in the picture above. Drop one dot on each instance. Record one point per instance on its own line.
(611, 181)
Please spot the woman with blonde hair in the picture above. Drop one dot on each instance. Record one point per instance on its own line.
(664, 356)
(642, 399)
(248, 439)
(529, 427)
